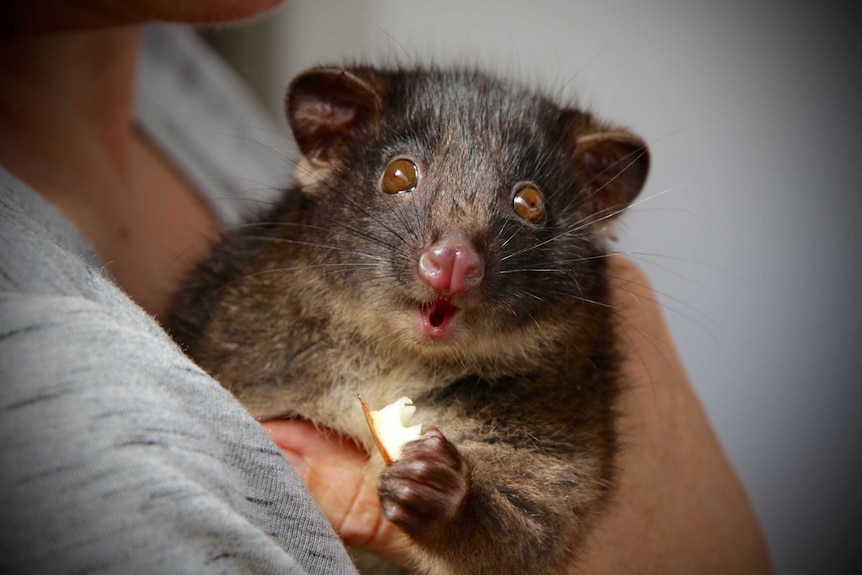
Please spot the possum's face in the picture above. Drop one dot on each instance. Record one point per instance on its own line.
(467, 210)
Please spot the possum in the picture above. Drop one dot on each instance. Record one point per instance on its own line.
(446, 239)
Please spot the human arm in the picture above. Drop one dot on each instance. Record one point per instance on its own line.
(116, 452)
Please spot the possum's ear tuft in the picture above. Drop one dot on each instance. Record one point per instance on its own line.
(611, 165)
(326, 106)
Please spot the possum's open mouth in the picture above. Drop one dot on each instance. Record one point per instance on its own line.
(438, 318)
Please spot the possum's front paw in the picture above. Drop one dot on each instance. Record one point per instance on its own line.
(425, 488)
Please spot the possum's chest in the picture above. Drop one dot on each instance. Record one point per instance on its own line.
(336, 404)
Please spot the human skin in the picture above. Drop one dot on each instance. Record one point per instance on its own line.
(43, 16)
(67, 71)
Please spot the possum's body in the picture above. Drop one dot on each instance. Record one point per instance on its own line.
(444, 243)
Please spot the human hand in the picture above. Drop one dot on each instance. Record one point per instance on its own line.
(336, 472)
(678, 505)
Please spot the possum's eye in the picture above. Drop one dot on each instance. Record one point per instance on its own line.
(529, 203)
(399, 176)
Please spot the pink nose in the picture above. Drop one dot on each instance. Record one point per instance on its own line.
(451, 265)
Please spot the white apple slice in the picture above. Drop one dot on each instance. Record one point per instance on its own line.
(389, 427)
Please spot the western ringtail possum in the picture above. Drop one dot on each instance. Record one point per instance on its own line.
(445, 241)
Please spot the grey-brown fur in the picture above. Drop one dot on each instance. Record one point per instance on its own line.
(301, 311)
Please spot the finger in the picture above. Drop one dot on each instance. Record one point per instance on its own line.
(336, 472)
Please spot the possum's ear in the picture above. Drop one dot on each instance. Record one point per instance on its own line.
(611, 165)
(324, 105)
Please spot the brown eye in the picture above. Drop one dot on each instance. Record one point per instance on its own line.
(530, 204)
(399, 176)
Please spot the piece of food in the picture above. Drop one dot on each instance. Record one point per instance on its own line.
(389, 427)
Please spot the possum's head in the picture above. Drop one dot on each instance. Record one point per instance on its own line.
(469, 211)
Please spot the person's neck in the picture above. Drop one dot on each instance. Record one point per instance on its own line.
(66, 111)
(67, 130)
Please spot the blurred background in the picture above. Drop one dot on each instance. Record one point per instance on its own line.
(749, 226)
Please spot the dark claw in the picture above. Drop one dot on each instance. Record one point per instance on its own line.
(426, 487)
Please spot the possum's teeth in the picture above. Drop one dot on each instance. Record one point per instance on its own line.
(389, 427)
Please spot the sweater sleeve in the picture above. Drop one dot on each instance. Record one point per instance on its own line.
(118, 454)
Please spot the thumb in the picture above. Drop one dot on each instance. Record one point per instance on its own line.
(337, 473)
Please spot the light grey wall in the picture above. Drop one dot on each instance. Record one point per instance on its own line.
(750, 227)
